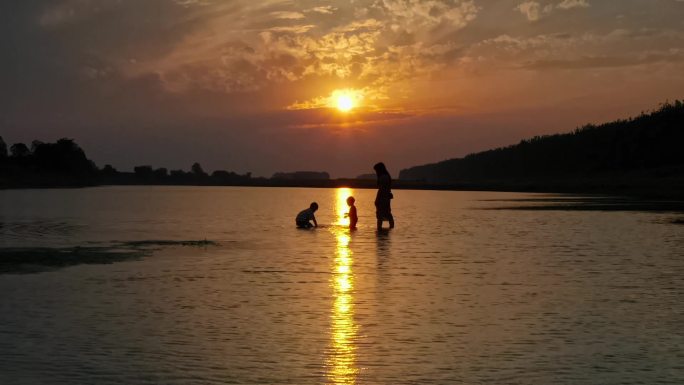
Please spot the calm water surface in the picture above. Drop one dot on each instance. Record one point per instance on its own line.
(456, 294)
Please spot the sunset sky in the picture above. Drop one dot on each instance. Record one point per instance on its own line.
(248, 85)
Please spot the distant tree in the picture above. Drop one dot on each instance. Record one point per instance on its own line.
(177, 173)
(302, 175)
(222, 174)
(19, 150)
(3, 149)
(161, 173)
(64, 157)
(62, 163)
(224, 177)
(35, 144)
(229, 177)
(109, 170)
(179, 176)
(143, 172)
(197, 170)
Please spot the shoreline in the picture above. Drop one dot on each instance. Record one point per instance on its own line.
(645, 189)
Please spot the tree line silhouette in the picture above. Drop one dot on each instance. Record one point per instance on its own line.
(631, 151)
(196, 176)
(64, 164)
(642, 154)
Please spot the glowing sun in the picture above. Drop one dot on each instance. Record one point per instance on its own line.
(345, 103)
(345, 100)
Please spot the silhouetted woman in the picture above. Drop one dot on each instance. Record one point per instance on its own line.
(383, 209)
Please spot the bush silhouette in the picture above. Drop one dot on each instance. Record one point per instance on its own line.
(19, 150)
(3, 149)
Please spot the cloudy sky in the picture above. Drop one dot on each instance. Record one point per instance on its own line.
(249, 85)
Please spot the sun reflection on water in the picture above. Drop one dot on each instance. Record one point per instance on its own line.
(342, 358)
(341, 208)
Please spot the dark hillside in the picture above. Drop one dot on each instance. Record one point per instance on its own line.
(625, 152)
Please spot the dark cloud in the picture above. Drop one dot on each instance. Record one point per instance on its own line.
(608, 61)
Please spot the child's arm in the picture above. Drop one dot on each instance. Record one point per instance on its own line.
(315, 223)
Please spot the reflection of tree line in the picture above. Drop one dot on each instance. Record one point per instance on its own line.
(625, 152)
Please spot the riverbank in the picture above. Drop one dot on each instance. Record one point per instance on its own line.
(646, 188)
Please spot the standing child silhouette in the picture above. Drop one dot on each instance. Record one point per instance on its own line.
(353, 218)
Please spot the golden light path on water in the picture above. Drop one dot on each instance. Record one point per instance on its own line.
(342, 357)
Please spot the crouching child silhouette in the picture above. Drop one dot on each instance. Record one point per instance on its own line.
(305, 217)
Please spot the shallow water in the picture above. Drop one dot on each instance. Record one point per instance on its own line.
(456, 294)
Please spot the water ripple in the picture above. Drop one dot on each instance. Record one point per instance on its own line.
(453, 295)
